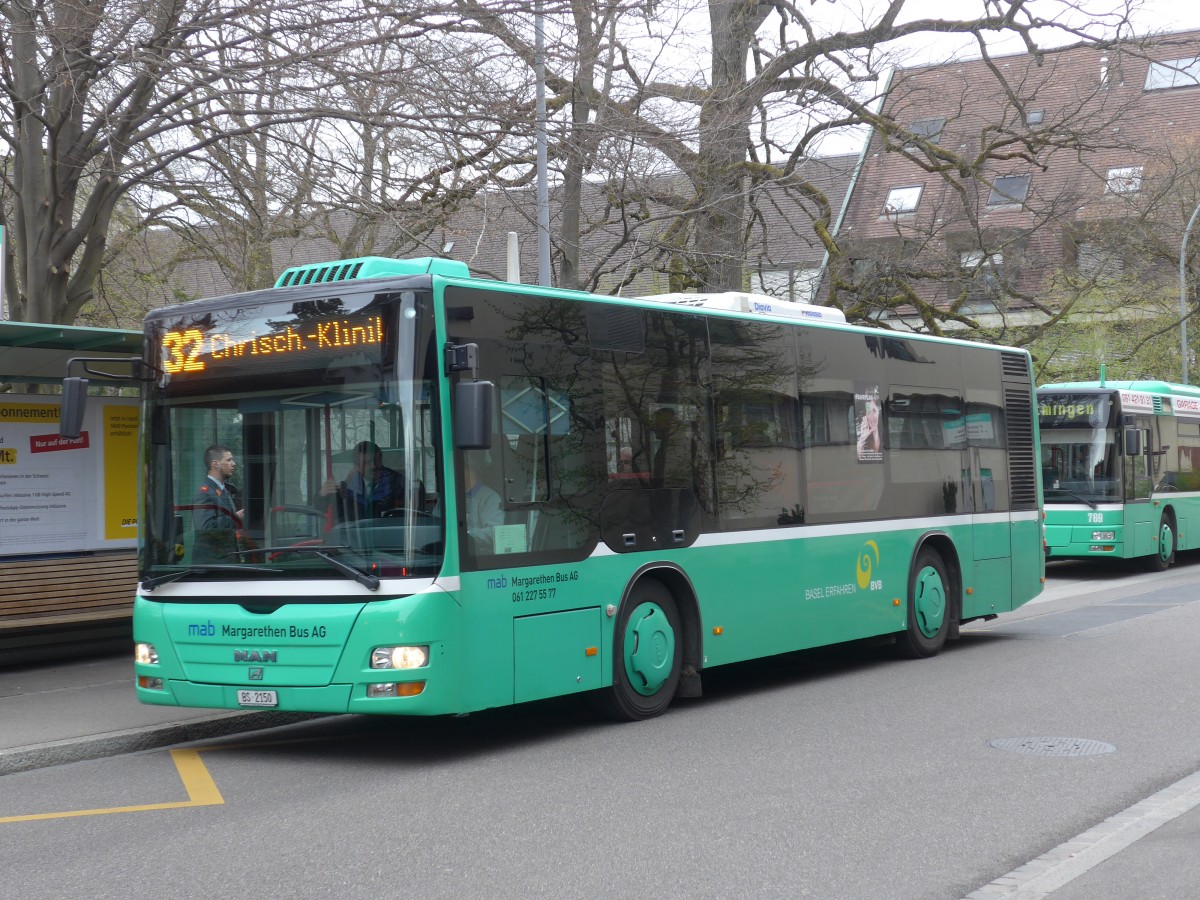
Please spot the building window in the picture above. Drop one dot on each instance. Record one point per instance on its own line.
(1173, 73)
(1123, 180)
(787, 284)
(1009, 189)
(863, 268)
(981, 273)
(1035, 116)
(1097, 261)
(902, 200)
(976, 260)
(929, 129)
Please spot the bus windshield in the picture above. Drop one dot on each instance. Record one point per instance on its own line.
(1080, 464)
(293, 439)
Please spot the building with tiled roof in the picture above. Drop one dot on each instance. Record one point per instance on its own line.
(628, 245)
(1002, 205)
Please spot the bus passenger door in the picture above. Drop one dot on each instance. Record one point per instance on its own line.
(987, 471)
(1141, 523)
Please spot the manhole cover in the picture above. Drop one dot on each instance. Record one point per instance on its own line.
(1052, 746)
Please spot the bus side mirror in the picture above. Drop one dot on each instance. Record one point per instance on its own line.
(473, 415)
(74, 402)
(1133, 442)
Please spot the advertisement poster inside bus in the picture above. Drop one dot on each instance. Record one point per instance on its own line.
(869, 442)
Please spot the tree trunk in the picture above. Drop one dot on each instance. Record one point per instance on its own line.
(724, 137)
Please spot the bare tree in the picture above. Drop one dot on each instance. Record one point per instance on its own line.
(102, 98)
(221, 114)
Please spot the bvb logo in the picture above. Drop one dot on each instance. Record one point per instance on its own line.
(867, 564)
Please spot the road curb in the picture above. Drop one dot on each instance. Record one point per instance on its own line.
(114, 743)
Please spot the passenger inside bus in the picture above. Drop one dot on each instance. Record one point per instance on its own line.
(484, 510)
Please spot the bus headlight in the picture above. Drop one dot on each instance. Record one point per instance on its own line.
(399, 657)
(145, 654)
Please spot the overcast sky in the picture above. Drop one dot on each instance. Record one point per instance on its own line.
(1169, 15)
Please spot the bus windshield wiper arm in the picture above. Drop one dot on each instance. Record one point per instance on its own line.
(149, 584)
(1080, 497)
(371, 582)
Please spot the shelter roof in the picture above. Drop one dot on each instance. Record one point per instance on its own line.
(37, 354)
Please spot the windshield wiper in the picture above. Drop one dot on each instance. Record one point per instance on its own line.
(1080, 497)
(149, 584)
(370, 582)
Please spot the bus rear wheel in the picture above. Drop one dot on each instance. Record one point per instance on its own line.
(1160, 560)
(647, 654)
(929, 607)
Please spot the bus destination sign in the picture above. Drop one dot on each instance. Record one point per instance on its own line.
(1073, 410)
(203, 348)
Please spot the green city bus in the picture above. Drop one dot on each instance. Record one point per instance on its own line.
(1120, 469)
(580, 493)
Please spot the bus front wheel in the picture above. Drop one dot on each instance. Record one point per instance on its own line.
(929, 607)
(647, 654)
(1164, 554)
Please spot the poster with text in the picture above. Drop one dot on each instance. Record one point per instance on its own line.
(65, 495)
(869, 437)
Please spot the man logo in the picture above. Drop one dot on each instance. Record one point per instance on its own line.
(256, 674)
(263, 656)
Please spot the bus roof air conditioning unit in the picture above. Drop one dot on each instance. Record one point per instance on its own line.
(370, 267)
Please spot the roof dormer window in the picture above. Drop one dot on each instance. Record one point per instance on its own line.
(902, 201)
(1173, 73)
(1123, 180)
(929, 129)
(1009, 190)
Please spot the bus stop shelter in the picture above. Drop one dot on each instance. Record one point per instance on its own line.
(73, 590)
(38, 354)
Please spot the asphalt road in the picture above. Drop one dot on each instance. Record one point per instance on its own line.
(834, 774)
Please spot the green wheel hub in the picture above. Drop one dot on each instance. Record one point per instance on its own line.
(649, 648)
(1166, 541)
(929, 601)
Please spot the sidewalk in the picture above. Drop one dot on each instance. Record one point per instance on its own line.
(54, 713)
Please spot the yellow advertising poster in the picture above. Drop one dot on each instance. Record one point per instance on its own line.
(65, 495)
(120, 472)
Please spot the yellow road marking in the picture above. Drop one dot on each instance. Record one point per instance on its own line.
(199, 784)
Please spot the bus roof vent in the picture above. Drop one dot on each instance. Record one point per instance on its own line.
(370, 267)
(1014, 366)
(1158, 405)
(758, 304)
